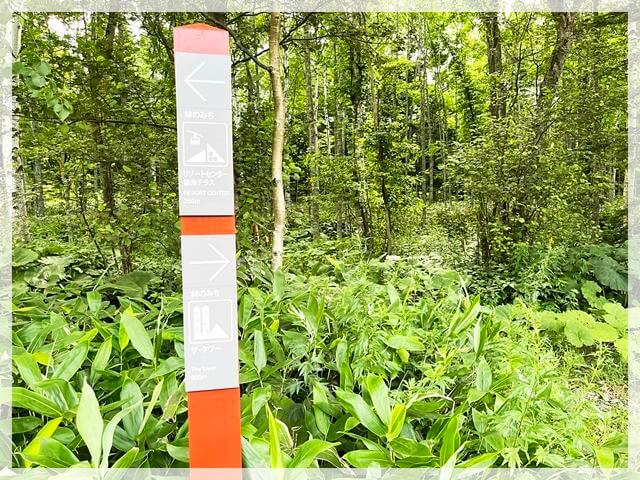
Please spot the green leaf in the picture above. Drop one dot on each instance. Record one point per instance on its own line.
(72, 361)
(109, 432)
(133, 396)
(279, 285)
(577, 333)
(622, 346)
(379, 393)
(23, 256)
(137, 334)
(603, 332)
(450, 439)
(609, 272)
(275, 453)
(308, 453)
(24, 424)
(259, 351)
(409, 343)
(479, 337)
(89, 423)
(394, 297)
(323, 420)
(396, 422)
(101, 360)
(125, 461)
(484, 378)
(484, 460)
(550, 321)
(94, 300)
(605, 457)
(50, 453)
(616, 316)
(357, 407)
(28, 368)
(179, 453)
(45, 432)
(135, 284)
(259, 398)
(368, 458)
(34, 402)
(255, 453)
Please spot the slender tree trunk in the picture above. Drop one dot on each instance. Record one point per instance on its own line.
(279, 207)
(356, 100)
(37, 185)
(312, 121)
(494, 55)
(20, 211)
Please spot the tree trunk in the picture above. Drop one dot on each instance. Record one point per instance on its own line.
(312, 121)
(20, 211)
(565, 24)
(37, 185)
(494, 56)
(356, 100)
(279, 207)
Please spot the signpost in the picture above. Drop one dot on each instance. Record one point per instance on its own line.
(206, 203)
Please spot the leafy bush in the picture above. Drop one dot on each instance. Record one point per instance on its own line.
(360, 362)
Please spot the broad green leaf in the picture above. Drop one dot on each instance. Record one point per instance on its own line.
(255, 453)
(23, 256)
(356, 406)
(410, 343)
(33, 447)
(479, 337)
(275, 453)
(28, 368)
(179, 453)
(396, 422)
(484, 377)
(616, 316)
(603, 332)
(323, 420)
(110, 430)
(259, 398)
(622, 346)
(308, 452)
(34, 402)
(137, 334)
(133, 396)
(450, 439)
(50, 453)
(577, 333)
(152, 404)
(279, 285)
(72, 361)
(605, 457)
(94, 300)
(125, 461)
(484, 460)
(24, 424)
(89, 423)
(379, 393)
(367, 459)
(101, 360)
(259, 351)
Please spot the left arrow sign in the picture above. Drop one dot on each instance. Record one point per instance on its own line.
(190, 81)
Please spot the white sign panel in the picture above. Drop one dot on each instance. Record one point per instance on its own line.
(203, 108)
(210, 312)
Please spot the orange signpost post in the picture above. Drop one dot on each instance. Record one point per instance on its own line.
(203, 110)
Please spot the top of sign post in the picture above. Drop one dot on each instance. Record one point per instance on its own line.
(201, 38)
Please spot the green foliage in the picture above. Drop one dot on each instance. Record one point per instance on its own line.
(362, 363)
